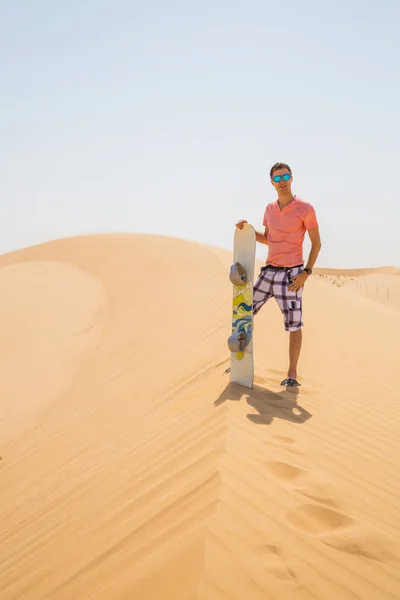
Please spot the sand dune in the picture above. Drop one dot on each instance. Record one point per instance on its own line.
(382, 285)
(357, 272)
(131, 469)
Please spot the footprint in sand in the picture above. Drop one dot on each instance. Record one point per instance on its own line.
(362, 540)
(318, 520)
(343, 533)
(324, 519)
(276, 563)
(282, 441)
(284, 471)
(302, 482)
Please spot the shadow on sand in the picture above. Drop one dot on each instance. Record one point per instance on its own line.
(270, 405)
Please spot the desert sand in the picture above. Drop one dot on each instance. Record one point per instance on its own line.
(132, 470)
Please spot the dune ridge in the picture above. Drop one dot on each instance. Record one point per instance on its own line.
(378, 285)
(388, 270)
(131, 468)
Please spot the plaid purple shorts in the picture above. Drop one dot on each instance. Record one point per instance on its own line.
(271, 283)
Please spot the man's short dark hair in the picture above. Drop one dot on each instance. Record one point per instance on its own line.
(279, 165)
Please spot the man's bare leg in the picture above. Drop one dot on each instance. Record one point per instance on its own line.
(295, 340)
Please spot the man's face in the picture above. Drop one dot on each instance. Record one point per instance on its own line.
(282, 185)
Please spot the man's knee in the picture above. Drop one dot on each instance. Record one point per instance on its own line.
(295, 330)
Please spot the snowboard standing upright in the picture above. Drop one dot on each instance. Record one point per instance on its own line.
(242, 277)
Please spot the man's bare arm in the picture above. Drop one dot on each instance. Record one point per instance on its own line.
(262, 238)
(315, 247)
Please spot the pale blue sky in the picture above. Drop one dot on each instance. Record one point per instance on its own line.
(165, 117)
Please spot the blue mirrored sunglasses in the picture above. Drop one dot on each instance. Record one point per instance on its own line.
(285, 177)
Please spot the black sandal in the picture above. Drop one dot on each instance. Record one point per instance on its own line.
(289, 382)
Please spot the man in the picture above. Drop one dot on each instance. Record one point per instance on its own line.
(283, 277)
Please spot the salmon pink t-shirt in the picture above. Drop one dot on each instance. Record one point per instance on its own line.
(286, 230)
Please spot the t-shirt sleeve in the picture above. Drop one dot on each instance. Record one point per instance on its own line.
(310, 218)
